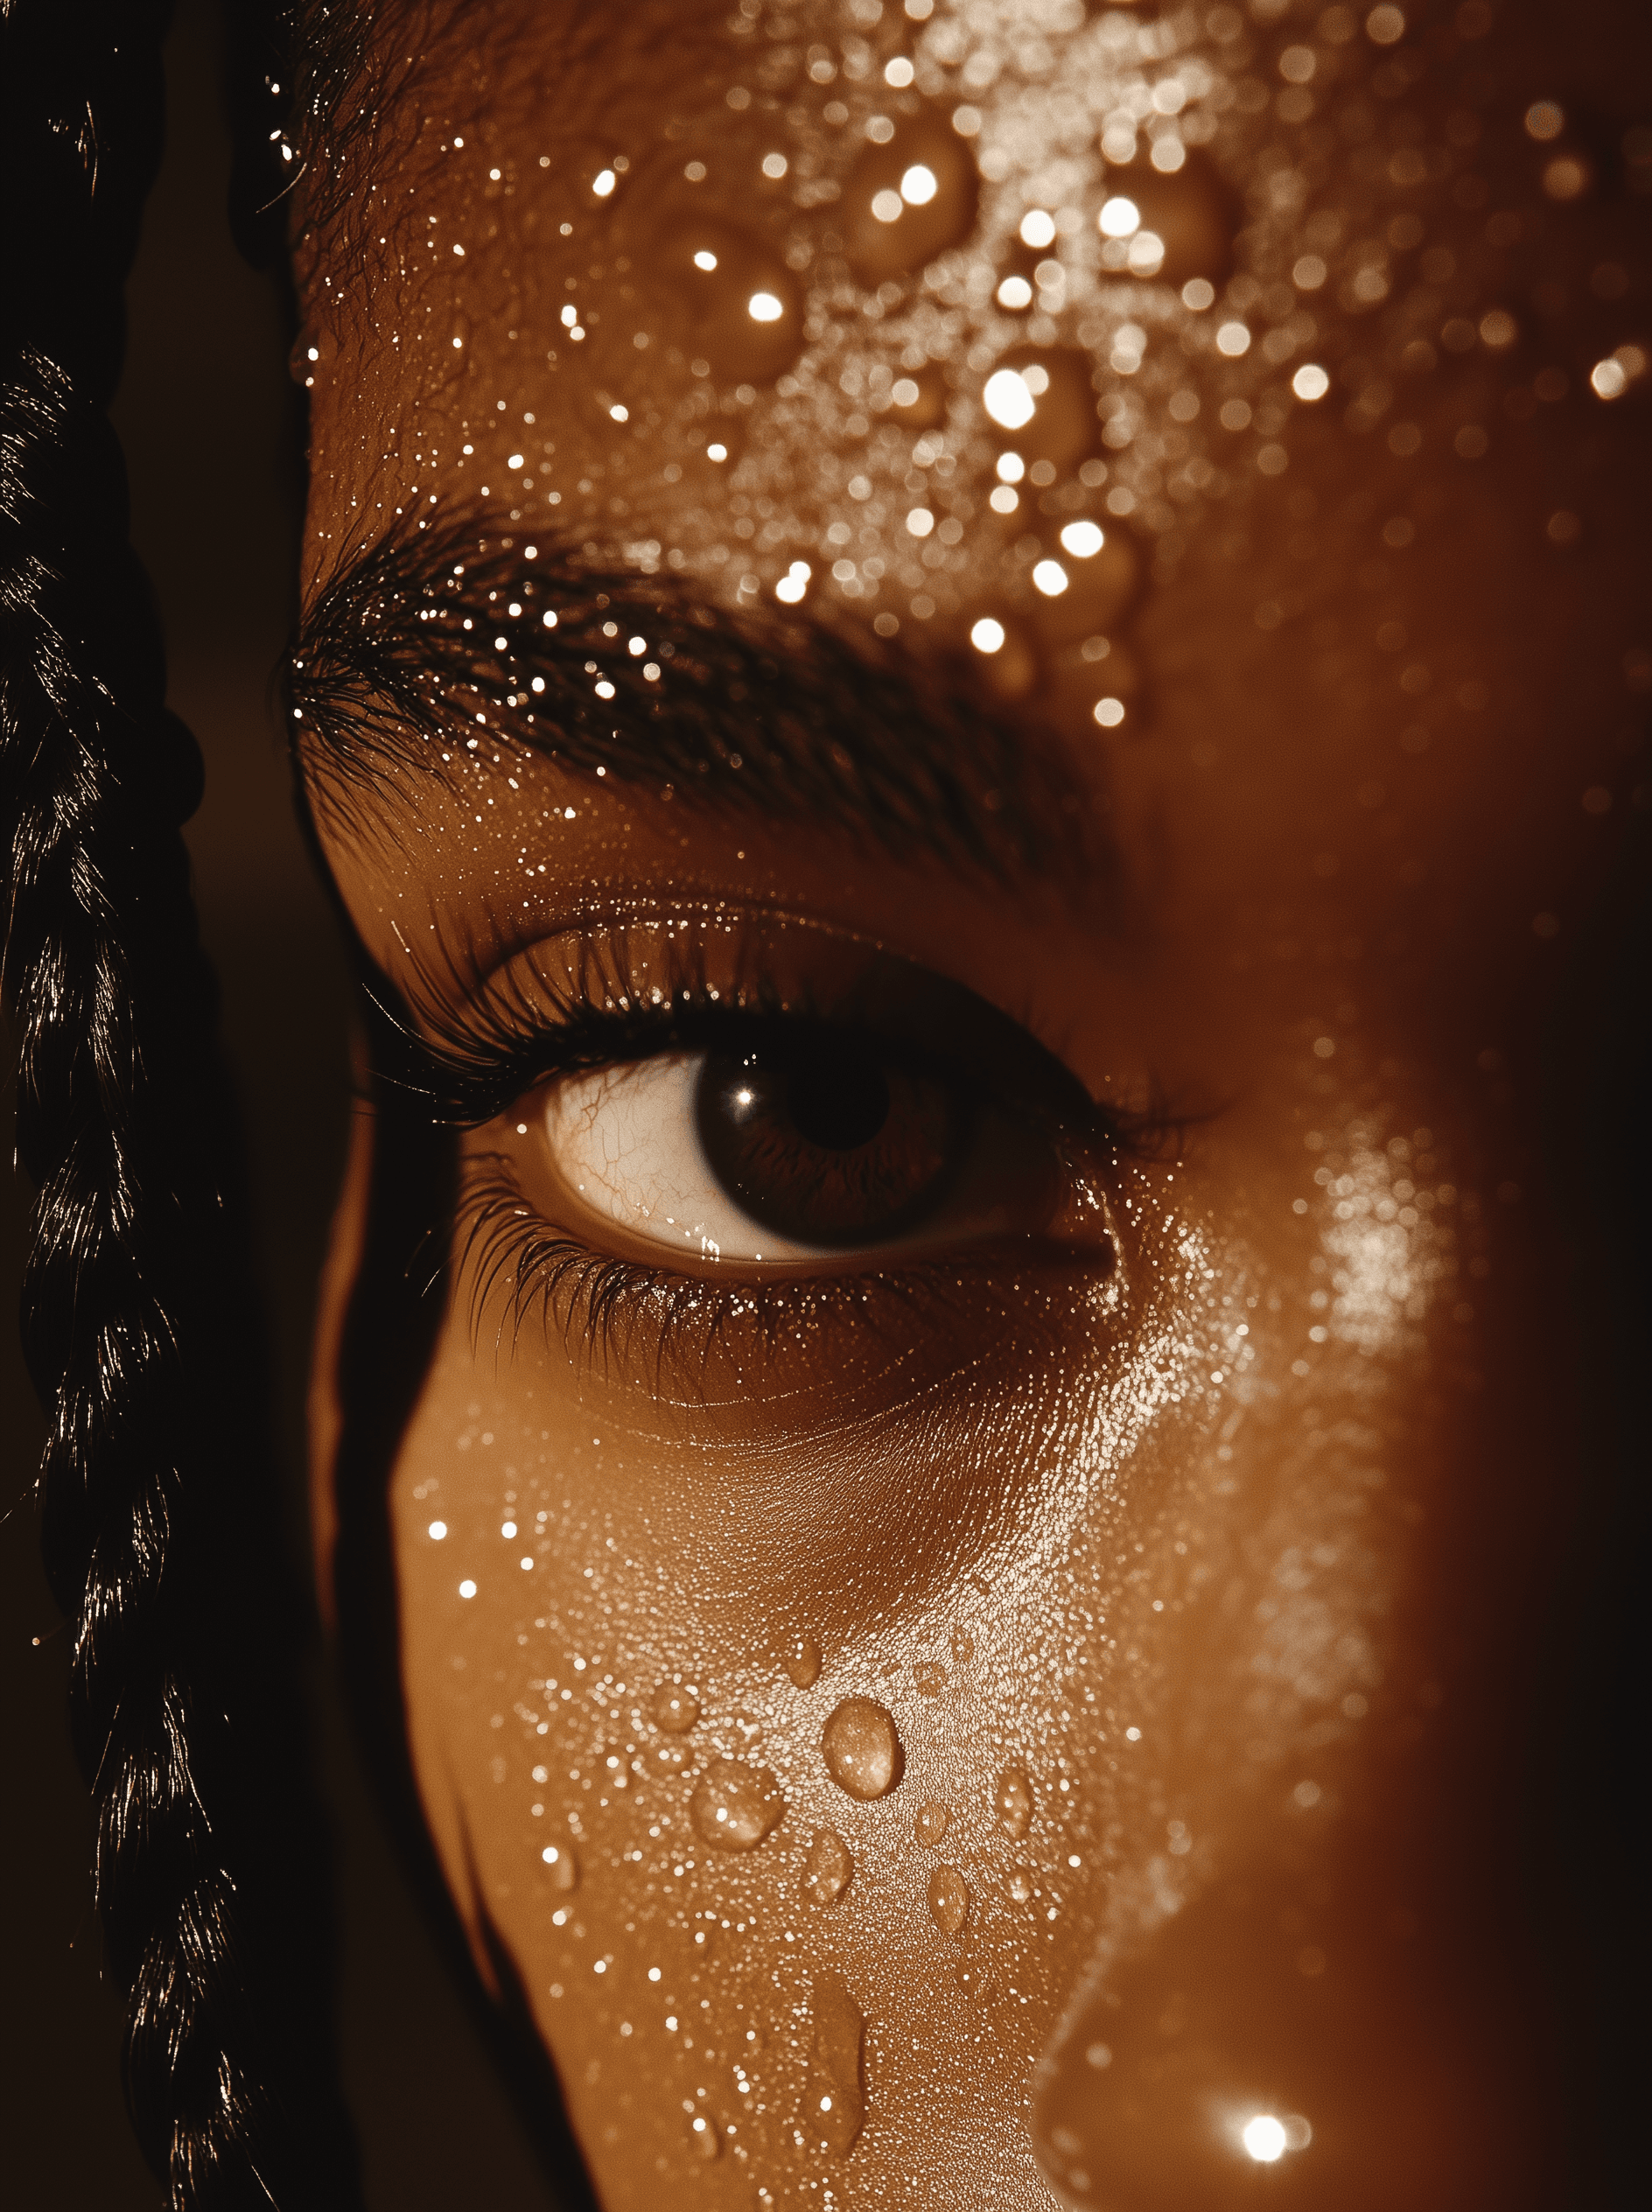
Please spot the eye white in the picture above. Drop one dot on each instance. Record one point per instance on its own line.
(624, 1140)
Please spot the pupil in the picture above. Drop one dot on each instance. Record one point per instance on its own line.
(838, 1104)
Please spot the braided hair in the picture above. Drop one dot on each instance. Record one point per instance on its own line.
(156, 1490)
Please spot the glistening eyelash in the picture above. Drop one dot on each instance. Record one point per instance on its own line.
(485, 1050)
(613, 1306)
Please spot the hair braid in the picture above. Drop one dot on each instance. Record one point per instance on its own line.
(155, 1491)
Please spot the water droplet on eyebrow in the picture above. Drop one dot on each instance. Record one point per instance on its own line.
(827, 1870)
(862, 1749)
(1012, 1804)
(736, 1805)
(949, 1895)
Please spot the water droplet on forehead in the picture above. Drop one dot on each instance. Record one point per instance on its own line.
(675, 1710)
(910, 196)
(862, 1749)
(737, 307)
(1189, 212)
(562, 1866)
(827, 1870)
(736, 1805)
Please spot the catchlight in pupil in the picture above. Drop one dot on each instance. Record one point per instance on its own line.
(830, 1147)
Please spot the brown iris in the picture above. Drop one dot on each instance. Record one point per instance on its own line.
(834, 1145)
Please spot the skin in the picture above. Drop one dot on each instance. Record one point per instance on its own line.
(1193, 1510)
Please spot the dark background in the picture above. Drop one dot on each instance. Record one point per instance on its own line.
(206, 416)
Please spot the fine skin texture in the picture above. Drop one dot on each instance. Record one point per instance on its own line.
(980, 1723)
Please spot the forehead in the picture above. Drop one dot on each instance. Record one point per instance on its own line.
(917, 291)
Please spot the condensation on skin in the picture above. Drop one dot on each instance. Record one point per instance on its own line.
(1130, 1467)
(1034, 1898)
(1343, 266)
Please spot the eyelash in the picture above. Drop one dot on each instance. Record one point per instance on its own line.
(496, 1048)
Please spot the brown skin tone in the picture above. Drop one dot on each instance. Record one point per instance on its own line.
(1192, 1508)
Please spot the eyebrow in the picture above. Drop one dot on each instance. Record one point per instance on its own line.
(423, 649)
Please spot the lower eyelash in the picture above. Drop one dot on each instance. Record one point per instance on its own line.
(600, 1305)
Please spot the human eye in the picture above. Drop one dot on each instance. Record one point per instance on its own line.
(735, 1127)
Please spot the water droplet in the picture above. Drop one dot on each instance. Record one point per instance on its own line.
(740, 306)
(1012, 1804)
(963, 1646)
(671, 1759)
(802, 1662)
(836, 2101)
(735, 1805)
(1188, 213)
(931, 1823)
(1018, 1883)
(562, 1866)
(861, 1749)
(949, 1900)
(908, 199)
(705, 2139)
(675, 1710)
(827, 1870)
(1043, 396)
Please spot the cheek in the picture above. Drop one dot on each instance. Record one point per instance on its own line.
(782, 1714)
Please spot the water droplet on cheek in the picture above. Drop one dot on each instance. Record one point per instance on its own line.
(736, 1805)
(737, 305)
(1012, 1804)
(949, 1900)
(835, 2104)
(908, 199)
(861, 1749)
(931, 1824)
(827, 1870)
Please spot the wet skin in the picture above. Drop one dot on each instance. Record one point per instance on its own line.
(1189, 1478)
